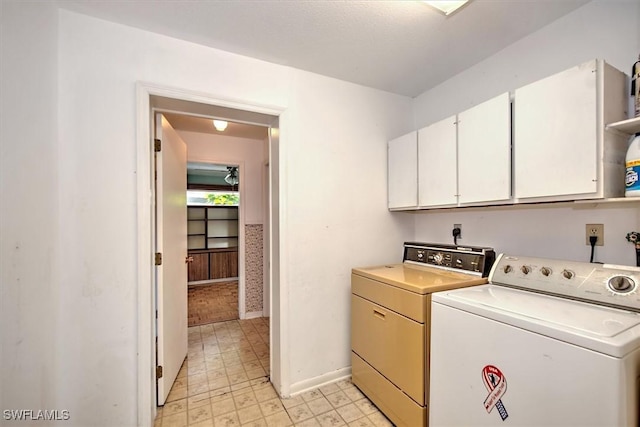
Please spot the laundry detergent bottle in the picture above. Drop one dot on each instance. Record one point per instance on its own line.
(632, 177)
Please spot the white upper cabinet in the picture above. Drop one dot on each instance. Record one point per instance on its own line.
(403, 172)
(561, 150)
(484, 152)
(437, 177)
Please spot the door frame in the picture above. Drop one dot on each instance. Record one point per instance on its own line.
(146, 304)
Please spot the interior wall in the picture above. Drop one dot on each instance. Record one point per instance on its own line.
(209, 148)
(327, 225)
(29, 238)
(609, 30)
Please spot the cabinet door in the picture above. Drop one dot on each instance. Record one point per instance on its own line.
(198, 269)
(437, 180)
(224, 264)
(402, 173)
(555, 140)
(484, 152)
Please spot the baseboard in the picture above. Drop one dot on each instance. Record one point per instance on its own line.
(322, 380)
(253, 314)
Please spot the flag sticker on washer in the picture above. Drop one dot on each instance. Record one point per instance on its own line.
(496, 384)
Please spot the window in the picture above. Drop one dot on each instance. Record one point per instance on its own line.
(212, 198)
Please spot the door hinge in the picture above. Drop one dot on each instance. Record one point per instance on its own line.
(157, 146)
(158, 258)
(158, 372)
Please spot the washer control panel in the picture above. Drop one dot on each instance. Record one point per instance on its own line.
(606, 284)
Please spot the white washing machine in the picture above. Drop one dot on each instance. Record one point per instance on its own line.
(545, 343)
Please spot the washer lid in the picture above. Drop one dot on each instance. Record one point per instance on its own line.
(607, 330)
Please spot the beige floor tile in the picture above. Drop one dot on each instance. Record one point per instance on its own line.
(311, 395)
(174, 407)
(221, 407)
(366, 406)
(379, 420)
(338, 399)
(344, 383)
(244, 398)
(353, 393)
(330, 419)
(227, 420)
(269, 407)
(350, 412)
(264, 392)
(200, 413)
(177, 393)
(175, 420)
(255, 373)
(261, 422)
(312, 422)
(197, 378)
(249, 413)
(279, 419)
(292, 401)
(217, 383)
(198, 388)
(205, 423)
(198, 400)
(319, 406)
(329, 388)
(362, 422)
(300, 413)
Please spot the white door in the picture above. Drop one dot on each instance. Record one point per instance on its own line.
(402, 172)
(437, 169)
(171, 242)
(484, 151)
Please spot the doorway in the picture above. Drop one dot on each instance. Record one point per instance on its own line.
(213, 201)
(170, 100)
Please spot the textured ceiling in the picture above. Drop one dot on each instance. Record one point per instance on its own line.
(404, 47)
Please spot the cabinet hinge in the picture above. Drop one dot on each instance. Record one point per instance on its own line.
(158, 372)
(158, 258)
(157, 146)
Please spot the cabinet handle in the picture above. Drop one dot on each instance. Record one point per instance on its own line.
(379, 314)
(188, 259)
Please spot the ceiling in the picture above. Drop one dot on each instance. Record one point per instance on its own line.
(399, 46)
(202, 125)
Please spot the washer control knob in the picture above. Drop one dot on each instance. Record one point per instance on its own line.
(568, 274)
(507, 269)
(622, 284)
(546, 271)
(525, 269)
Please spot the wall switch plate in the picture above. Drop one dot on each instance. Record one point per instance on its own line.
(595, 230)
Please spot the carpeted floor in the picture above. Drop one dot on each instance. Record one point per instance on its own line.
(217, 302)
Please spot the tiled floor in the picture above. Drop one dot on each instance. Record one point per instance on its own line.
(216, 302)
(224, 382)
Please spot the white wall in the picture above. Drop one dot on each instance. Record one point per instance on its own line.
(332, 186)
(202, 147)
(29, 206)
(607, 29)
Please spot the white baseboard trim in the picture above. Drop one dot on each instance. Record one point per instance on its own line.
(322, 380)
(253, 314)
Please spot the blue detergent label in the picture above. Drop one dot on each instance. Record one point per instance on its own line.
(631, 179)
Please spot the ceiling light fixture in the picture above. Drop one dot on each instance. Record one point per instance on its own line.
(220, 125)
(445, 6)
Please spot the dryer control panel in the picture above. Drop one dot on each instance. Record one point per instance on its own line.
(606, 284)
(468, 259)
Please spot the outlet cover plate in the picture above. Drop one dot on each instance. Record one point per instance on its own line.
(594, 230)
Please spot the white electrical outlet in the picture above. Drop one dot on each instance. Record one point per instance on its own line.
(595, 230)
